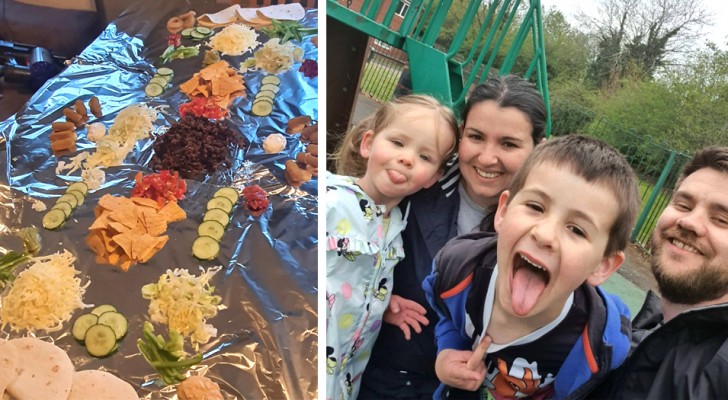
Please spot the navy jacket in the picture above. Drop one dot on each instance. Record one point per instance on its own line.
(471, 258)
(406, 369)
(686, 358)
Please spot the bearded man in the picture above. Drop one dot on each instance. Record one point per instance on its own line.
(682, 339)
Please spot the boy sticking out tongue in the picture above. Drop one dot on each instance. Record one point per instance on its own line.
(520, 313)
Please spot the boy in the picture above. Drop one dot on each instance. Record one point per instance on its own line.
(547, 330)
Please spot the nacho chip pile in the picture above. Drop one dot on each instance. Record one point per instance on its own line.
(218, 82)
(127, 231)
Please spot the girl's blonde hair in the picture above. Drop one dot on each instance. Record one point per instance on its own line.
(348, 160)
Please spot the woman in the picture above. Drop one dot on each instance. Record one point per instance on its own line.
(504, 118)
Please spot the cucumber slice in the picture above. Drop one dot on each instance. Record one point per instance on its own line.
(100, 340)
(228, 192)
(81, 325)
(78, 195)
(116, 321)
(212, 229)
(68, 198)
(153, 90)
(272, 79)
(218, 215)
(65, 207)
(97, 311)
(267, 94)
(203, 30)
(186, 33)
(205, 248)
(165, 71)
(196, 35)
(167, 78)
(79, 187)
(54, 219)
(262, 107)
(160, 80)
(222, 203)
(269, 86)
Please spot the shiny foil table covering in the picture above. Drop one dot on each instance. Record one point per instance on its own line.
(267, 322)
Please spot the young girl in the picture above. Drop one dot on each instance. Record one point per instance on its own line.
(399, 150)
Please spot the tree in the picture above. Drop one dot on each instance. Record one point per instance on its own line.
(639, 37)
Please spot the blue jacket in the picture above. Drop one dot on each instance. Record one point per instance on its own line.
(472, 258)
(398, 367)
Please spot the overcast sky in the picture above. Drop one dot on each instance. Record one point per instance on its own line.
(716, 33)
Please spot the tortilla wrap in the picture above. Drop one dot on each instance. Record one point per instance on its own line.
(220, 18)
(94, 384)
(8, 363)
(292, 11)
(45, 370)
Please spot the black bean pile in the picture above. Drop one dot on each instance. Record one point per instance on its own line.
(194, 146)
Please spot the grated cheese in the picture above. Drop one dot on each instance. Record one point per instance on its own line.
(234, 40)
(44, 295)
(273, 57)
(183, 302)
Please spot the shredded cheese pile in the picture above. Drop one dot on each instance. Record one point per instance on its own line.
(183, 302)
(44, 295)
(234, 40)
(274, 57)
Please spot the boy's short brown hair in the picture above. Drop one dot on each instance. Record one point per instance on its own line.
(595, 161)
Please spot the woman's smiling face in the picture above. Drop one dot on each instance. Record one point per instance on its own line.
(495, 143)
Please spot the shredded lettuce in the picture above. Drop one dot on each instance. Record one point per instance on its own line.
(184, 302)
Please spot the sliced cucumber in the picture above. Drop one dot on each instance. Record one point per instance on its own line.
(102, 309)
(203, 30)
(269, 86)
(81, 325)
(267, 94)
(79, 187)
(212, 229)
(196, 35)
(78, 195)
(205, 248)
(218, 215)
(100, 340)
(262, 107)
(160, 80)
(116, 321)
(69, 198)
(186, 33)
(272, 79)
(65, 207)
(165, 71)
(54, 219)
(153, 90)
(167, 78)
(222, 203)
(229, 193)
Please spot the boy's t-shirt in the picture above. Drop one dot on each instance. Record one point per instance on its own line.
(528, 367)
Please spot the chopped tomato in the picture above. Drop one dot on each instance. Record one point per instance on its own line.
(162, 187)
(256, 199)
(200, 106)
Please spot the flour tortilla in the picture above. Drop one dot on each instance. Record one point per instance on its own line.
(8, 364)
(94, 384)
(292, 11)
(221, 18)
(46, 372)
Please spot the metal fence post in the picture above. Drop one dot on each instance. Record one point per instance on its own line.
(650, 202)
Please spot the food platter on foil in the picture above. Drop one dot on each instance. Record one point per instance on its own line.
(159, 237)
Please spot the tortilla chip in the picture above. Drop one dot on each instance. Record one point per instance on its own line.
(145, 202)
(110, 202)
(172, 212)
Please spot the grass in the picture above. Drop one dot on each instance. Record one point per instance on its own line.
(379, 81)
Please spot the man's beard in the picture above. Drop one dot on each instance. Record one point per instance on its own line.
(708, 282)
